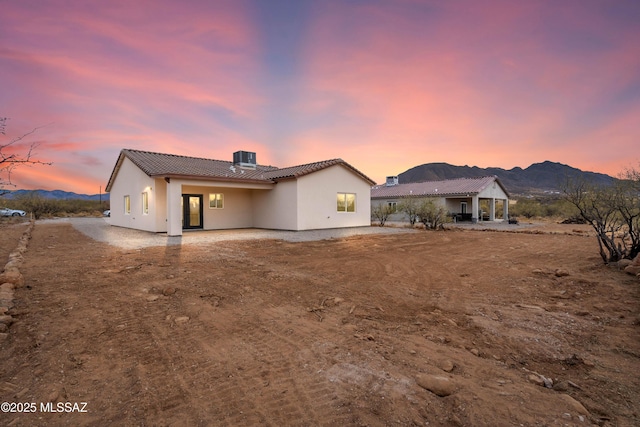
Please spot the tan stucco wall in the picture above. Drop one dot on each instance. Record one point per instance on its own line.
(276, 209)
(236, 211)
(133, 182)
(317, 193)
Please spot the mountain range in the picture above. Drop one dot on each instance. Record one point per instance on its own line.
(545, 177)
(57, 195)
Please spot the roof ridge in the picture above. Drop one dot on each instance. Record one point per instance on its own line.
(449, 179)
(337, 160)
(174, 155)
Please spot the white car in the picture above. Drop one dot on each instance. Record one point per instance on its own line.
(11, 212)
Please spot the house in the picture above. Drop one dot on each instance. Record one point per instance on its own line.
(171, 193)
(466, 199)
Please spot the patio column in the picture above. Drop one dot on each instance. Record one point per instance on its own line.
(174, 208)
(505, 210)
(475, 206)
(492, 209)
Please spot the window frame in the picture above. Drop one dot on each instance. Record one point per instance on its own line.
(218, 202)
(145, 203)
(345, 202)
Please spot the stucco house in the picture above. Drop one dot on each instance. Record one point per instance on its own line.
(171, 193)
(466, 199)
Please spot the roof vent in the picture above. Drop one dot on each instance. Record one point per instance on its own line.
(391, 181)
(245, 159)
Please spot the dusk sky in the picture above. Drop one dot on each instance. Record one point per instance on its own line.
(384, 85)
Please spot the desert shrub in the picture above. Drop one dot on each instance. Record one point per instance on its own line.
(39, 206)
(432, 214)
(410, 206)
(381, 212)
(527, 208)
(560, 208)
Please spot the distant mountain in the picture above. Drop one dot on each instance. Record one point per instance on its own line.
(56, 194)
(545, 177)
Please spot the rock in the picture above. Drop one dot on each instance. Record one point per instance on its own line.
(7, 287)
(6, 319)
(446, 365)
(636, 260)
(152, 298)
(168, 291)
(573, 404)
(53, 396)
(536, 379)
(338, 300)
(632, 269)
(475, 352)
(561, 272)
(12, 276)
(622, 264)
(438, 385)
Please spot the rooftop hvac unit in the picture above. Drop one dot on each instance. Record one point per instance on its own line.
(244, 159)
(391, 181)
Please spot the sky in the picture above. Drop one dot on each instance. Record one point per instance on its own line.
(385, 85)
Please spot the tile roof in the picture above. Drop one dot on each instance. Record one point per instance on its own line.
(172, 165)
(449, 187)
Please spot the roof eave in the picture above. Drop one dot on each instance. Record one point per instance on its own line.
(114, 172)
(213, 178)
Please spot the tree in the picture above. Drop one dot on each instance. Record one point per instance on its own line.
(410, 206)
(613, 211)
(10, 159)
(432, 214)
(381, 213)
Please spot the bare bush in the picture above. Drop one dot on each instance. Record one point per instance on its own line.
(612, 211)
(381, 213)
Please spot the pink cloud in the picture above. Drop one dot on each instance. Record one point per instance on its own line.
(384, 85)
(478, 85)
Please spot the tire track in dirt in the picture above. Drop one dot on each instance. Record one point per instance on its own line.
(269, 380)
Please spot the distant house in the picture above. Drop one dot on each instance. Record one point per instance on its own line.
(466, 199)
(171, 193)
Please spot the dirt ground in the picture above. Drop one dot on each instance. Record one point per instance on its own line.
(452, 328)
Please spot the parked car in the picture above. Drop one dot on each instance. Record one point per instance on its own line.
(11, 212)
(107, 213)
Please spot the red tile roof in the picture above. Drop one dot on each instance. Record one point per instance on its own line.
(449, 187)
(171, 165)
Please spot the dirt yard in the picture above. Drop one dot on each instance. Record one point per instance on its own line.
(453, 328)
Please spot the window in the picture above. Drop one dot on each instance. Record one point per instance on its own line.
(346, 202)
(393, 207)
(127, 205)
(216, 201)
(145, 203)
